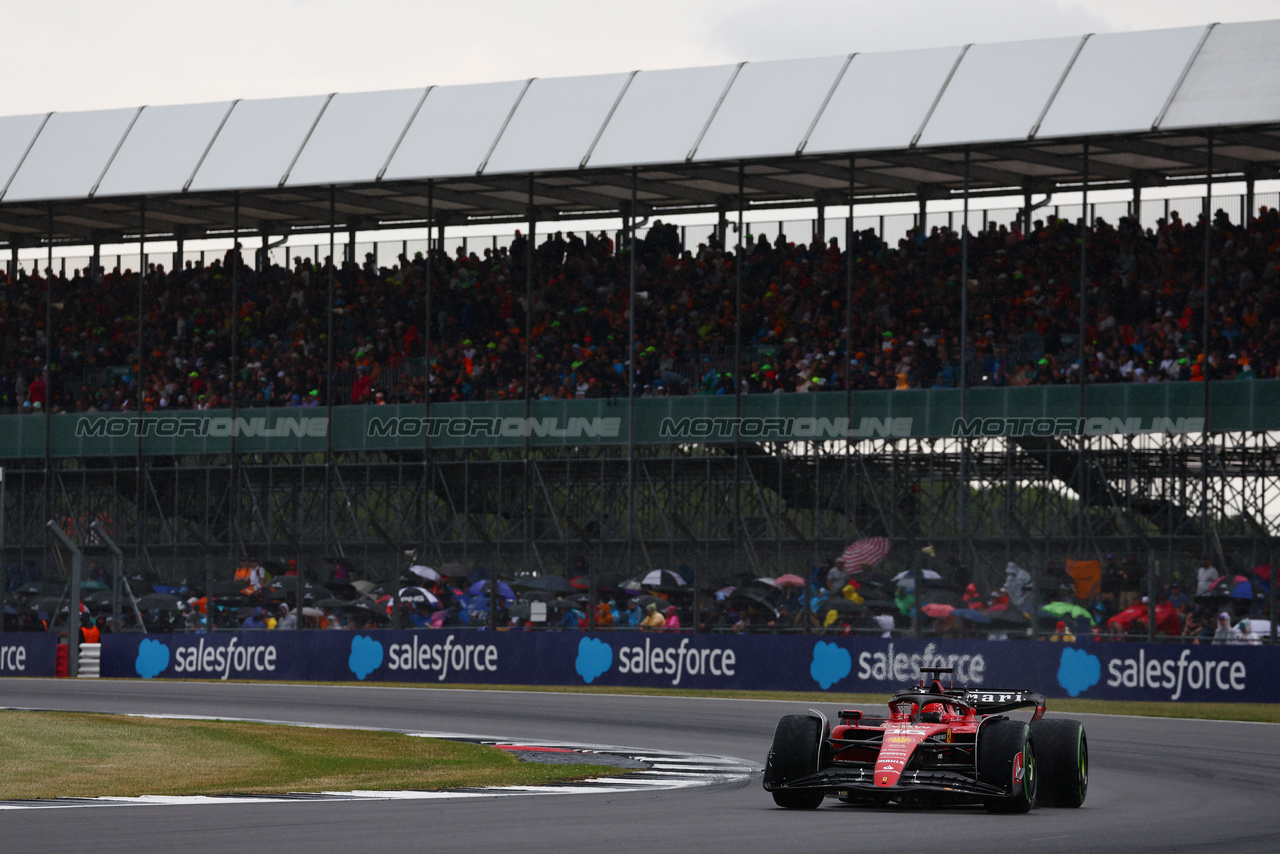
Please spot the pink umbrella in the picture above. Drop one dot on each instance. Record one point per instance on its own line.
(937, 609)
(789, 580)
(864, 553)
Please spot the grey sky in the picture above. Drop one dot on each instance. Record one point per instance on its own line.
(90, 54)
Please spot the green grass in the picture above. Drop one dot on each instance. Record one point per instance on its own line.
(69, 754)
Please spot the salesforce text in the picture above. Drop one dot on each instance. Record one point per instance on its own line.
(1169, 673)
(223, 660)
(682, 660)
(441, 657)
(901, 667)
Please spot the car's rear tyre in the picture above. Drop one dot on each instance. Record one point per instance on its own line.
(1063, 753)
(1007, 758)
(796, 752)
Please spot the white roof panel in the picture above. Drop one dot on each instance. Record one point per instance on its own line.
(258, 143)
(1120, 82)
(882, 100)
(453, 131)
(354, 137)
(69, 155)
(999, 91)
(770, 108)
(556, 123)
(162, 150)
(1235, 79)
(660, 116)
(16, 133)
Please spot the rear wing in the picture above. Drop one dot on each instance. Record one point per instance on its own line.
(996, 702)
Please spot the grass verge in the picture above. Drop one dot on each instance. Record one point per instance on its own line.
(1263, 712)
(67, 754)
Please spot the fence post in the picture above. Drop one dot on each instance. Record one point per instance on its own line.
(73, 607)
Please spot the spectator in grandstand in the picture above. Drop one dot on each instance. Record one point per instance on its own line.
(653, 618)
(256, 620)
(1206, 575)
(1062, 634)
(1143, 321)
(287, 620)
(1224, 632)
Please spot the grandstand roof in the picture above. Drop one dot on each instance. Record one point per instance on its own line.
(1143, 101)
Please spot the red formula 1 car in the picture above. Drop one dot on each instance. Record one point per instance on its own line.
(937, 746)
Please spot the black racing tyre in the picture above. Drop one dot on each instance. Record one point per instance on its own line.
(1063, 753)
(795, 752)
(1007, 758)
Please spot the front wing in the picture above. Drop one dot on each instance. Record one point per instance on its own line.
(838, 779)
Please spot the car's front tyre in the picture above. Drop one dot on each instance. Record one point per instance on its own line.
(1063, 752)
(1007, 758)
(796, 752)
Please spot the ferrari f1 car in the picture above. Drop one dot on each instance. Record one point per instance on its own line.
(937, 746)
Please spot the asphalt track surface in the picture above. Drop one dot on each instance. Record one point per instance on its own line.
(1158, 785)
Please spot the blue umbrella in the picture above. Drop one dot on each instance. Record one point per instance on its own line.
(971, 615)
(1242, 590)
(481, 588)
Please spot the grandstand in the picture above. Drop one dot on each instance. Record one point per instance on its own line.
(975, 388)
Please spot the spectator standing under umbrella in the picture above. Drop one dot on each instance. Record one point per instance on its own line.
(1206, 575)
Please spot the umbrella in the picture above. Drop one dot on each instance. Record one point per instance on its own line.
(453, 570)
(159, 602)
(879, 602)
(863, 553)
(425, 572)
(481, 588)
(647, 599)
(1263, 572)
(937, 609)
(40, 588)
(1257, 626)
(1242, 590)
(550, 583)
(418, 596)
(971, 615)
(580, 582)
(1011, 619)
(332, 603)
(907, 578)
(942, 597)
(789, 580)
(663, 579)
(1066, 609)
(93, 585)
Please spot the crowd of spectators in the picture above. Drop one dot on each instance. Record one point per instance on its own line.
(1144, 318)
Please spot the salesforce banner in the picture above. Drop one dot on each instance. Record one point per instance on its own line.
(1103, 671)
(28, 653)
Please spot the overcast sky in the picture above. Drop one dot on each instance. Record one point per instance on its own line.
(97, 54)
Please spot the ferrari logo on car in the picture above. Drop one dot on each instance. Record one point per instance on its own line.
(884, 779)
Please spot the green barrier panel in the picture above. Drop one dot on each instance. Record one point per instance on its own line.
(1035, 410)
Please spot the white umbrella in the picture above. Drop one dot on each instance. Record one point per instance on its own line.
(907, 578)
(654, 578)
(425, 572)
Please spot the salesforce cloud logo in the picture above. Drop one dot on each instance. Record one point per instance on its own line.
(153, 658)
(831, 663)
(1078, 671)
(366, 656)
(595, 657)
